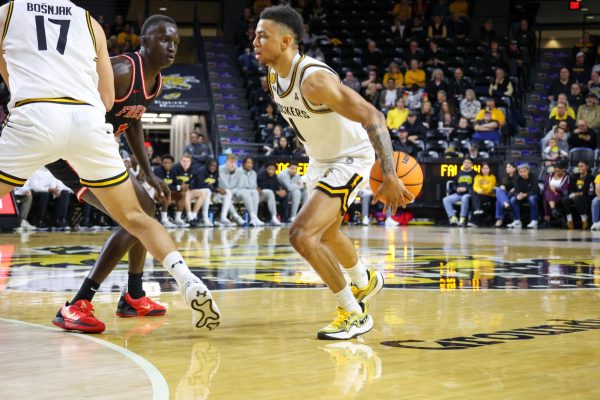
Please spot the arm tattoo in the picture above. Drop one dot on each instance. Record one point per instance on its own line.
(380, 139)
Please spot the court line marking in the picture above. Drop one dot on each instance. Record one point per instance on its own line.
(160, 388)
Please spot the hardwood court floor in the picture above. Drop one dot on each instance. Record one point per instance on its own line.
(466, 314)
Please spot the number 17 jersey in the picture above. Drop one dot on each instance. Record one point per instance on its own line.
(50, 52)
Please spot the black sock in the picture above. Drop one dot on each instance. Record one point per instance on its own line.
(86, 292)
(134, 285)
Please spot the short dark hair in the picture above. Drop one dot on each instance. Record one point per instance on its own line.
(286, 15)
(155, 19)
(167, 157)
(246, 159)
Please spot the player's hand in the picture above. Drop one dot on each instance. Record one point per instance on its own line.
(162, 189)
(394, 192)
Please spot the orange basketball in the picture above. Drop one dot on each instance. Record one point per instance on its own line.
(407, 169)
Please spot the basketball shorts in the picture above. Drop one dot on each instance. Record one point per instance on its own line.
(37, 134)
(342, 178)
(63, 171)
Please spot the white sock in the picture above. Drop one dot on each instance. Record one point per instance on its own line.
(569, 218)
(164, 216)
(178, 269)
(192, 215)
(358, 275)
(345, 300)
(584, 218)
(177, 215)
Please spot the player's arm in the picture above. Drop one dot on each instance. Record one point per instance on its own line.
(323, 88)
(135, 138)
(3, 68)
(106, 80)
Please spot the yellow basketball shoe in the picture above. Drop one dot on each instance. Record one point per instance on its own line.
(347, 325)
(375, 285)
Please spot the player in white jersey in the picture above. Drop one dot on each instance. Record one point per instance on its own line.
(339, 130)
(56, 64)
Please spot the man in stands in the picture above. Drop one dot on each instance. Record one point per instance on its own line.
(293, 184)
(590, 111)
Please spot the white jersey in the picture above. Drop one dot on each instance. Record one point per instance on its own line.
(326, 135)
(50, 53)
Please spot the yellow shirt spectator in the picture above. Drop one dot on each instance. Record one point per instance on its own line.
(497, 115)
(570, 112)
(398, 77)
(402, 9)
(131, 37)
(396, 117)
(459, 6)
(414, 78)
(484, 184)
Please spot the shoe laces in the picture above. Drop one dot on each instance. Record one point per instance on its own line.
(85, 307)
(341, 317)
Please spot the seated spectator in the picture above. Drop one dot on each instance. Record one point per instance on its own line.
(525, 36)
(463, 185)
(504, 192)
(165, 173)
(475, 152)
(487, 128)
(397, 115)
(319, 12)
(415, 29)
(497, 114)
(128, 36)
(351, 81)
(562, 98)
(371, 78)
(43, 185)
(458, 86)
(372, 94)
(593, 85)
(25, 197)
(559, 132)
(229, 181)
(394, 73)
(585, 46)
(260, 97)
(576, 98)
(437, 29)
(415, 75)
(458, 27)
(413, 53)
(415, 128)
(439, 99)
(315, 52)
(515, 60)
(420, 7)
(283, 148)
(487, 34)
(452, 152)
(556, 185)
(483, 188)
(184, 174)
(372, 58)
(198, 150)
(579, 197)
(553, 153)
(402, 9)
(470, 106)
(561, 85)
(366, 196)
(427, 116)
(596, 205)
(389, 95)
(461, 7)
(493, 56)
(398, 28)
(501, 88)
(207, 182)
(294, 185)
(401, 143)
(246, 191)
(436, 83)
(447, 116)
(583, 136)
(580, 70)
(590, 111)
(526, 190)
(267, 184)
(413, 98)
(463, 131)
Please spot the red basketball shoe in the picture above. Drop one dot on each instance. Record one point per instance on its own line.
(142, 307)
(79, 316)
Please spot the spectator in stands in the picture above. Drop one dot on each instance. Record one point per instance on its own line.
(493, 56)
(207, 181)
(463, 184)
(269, 116)
(463, 131)
(351, 81)
(427, 116)
(579, 197)
(294, 185)
(582, 136)
(435, 57)
(439, 99)
(165, 173)
(25, 198)
(413, 53)
(260, 97)
(458, 27)
(596, 204)
(556, 185)
(497, 114)
(590, 111)
(585, 46)
(42, 185)
(487, 34)
(184, 174)
(398, 28)
(525, 37)
(401, 143)
(458, 85)
(487, 128)
(447, 116)
(389, 96)
(461, 7)
(413, 98)
(248, 192)
(420, 7)
(319, 13)
(501, 88)
(561, 85)
(402, 9)
(515, 60)
(558, 132)
(372, 94)
(371, 78)
(247, 61)
(580, 70)
(397, 115)
(553, 153)
(576, 98)
(268, 182)
(526, 190)
(372, 58)
(236, 181)
(475, 152)
(436, 83)
(437, 29)
(198, 150)
(504, 192)
(415, 75)
(394, 73)
(415, 128)
(118, 26)
(470, 106)
(593, 84)
(483, 188)
(452, 152)
(299, 150)
(562, 112)
(366, 196)
(415, 29)
(315, 52)
(260, 5)
(127, 36)
(283, 148)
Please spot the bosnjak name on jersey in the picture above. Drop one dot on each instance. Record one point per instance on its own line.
(49, 9)
(293, 111)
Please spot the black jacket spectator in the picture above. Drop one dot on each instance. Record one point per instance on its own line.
(264, 181)
(529, 186)
(582, 138)
(458, 87)
(182, 176)
(206, 180)
(167, 177)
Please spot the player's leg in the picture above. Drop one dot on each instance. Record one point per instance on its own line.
(182, 203)
(295, 196)
(267, 196)
(206, 206)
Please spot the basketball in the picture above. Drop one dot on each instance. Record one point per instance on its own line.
(407, 169)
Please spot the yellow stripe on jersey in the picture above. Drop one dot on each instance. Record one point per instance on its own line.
(61, 100)
(343, 192)
(115, 180)
(10, 10)
(291, 87)
(90, 27)
(11, 180)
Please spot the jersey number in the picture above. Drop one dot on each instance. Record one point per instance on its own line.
(297, 131)
(41, 33)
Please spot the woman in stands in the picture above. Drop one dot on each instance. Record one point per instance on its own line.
(504, 192)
